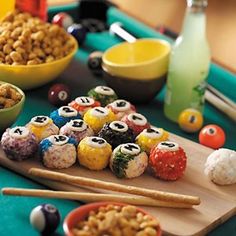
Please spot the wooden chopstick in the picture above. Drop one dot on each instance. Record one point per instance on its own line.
(82, 181)
(93, 197)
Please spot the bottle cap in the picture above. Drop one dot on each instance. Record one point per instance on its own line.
(198, 4)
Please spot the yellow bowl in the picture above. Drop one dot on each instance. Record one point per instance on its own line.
(9, 115)
(142, 59)
(32, 76)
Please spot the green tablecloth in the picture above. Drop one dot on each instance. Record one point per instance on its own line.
(15, 210)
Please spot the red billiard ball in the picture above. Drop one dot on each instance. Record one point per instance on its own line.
(212, 136)
(59, 94)
(63, 19)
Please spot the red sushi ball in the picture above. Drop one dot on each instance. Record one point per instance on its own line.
(168, 161)
(137, 122)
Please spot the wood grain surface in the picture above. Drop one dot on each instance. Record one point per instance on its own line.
(218, 203)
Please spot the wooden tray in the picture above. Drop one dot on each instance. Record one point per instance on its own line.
(218, 203)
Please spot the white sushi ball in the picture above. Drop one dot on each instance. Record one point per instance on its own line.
(220, 166)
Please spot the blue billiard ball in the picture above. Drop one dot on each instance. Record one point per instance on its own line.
(78, 31)
(45, 218)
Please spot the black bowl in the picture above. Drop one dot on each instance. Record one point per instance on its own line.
(134, 90)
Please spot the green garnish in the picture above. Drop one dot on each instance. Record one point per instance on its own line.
(120, 163)
(103, 99)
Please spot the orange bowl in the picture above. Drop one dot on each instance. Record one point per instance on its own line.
(82, 212)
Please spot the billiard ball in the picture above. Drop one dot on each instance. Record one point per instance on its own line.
(78, 31)
(95, 63)
(212, 136)
(59, 94)
(63, 19)
(190, 120)
(45, 218)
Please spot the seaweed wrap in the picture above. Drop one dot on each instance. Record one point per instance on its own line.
(103, 94)
(128, 161)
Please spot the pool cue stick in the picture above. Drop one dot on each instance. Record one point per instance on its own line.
(82, 181)
(221, 105)
(93, 197)
(116, 29)
(221, 96)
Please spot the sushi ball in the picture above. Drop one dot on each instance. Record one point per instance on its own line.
(103, 94)
(220, 166)
(58, 151)
(19, 143)
(76, 129)
(63, 115)
(168, 161)
(96, 117)
(116, 133)
(150, 137)
(128, 161)
(121, 108)
(137, 122)
(83, 104)
(42, 127)
(94, 153)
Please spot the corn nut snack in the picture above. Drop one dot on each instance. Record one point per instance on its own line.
(113, 220)
(26, 40)
(9, 96)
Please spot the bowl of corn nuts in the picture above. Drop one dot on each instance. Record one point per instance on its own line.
(33, 52)
(110, 218)
(11, 103)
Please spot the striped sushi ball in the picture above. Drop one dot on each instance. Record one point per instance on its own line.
(58, 151)
(19, 143)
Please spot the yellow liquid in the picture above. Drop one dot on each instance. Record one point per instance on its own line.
(5, 7)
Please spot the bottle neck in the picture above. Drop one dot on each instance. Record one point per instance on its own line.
(194, 22)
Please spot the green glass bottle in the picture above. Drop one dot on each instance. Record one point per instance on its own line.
(189, 63)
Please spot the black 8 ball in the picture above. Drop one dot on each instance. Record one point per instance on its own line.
(95, 63)
(59, 94)
(45, 218)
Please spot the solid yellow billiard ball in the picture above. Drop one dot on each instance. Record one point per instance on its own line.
(190, 120)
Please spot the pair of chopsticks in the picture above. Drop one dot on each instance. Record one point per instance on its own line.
(221, 102)
(140, 196)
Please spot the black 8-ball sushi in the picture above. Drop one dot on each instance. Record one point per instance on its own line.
(45, 218)
(103, 94)
(116, 133)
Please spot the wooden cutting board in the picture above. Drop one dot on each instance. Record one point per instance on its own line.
(218, 203)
